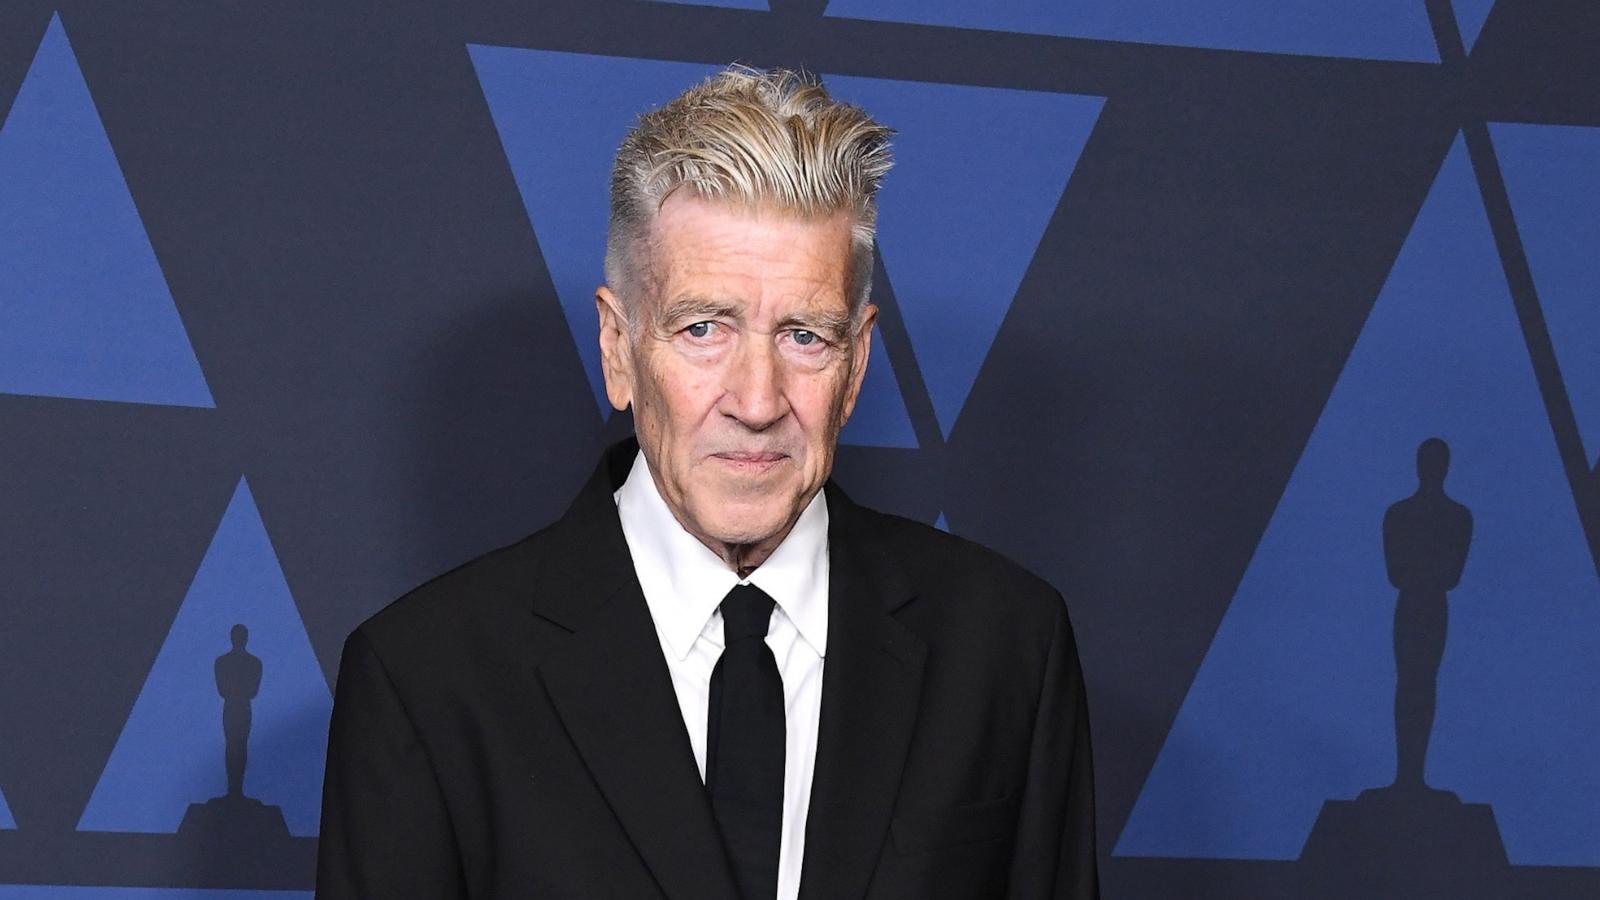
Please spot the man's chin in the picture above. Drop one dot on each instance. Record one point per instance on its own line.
(745, 535)
(729, 525)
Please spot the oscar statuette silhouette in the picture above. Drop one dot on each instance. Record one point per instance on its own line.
(1410, 839)
(234, 818)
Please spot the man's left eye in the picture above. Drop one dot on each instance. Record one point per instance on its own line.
(804, 338)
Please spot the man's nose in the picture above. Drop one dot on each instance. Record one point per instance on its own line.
(754, 387)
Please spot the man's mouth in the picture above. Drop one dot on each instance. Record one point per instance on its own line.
(751, 461)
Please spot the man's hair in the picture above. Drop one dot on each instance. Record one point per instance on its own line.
(754, 139)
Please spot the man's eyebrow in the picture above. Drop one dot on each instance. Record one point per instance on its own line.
(698, 308)
(817, 320)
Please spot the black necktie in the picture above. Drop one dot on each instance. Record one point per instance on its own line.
(744, 743)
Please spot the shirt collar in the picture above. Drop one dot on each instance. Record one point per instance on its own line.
(683, 580)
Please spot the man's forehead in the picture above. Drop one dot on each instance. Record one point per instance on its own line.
(709, 254)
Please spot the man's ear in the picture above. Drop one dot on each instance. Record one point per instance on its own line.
(860, 350)
(616, 354)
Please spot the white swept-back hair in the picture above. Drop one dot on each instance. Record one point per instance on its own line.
(752, 138)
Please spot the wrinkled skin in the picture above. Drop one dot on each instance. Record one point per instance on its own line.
(742, 365)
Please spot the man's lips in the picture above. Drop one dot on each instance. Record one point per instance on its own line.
(751, 460)
(750, 456)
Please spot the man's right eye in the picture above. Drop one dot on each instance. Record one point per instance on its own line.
(699, 329)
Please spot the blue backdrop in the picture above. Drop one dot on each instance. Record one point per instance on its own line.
(296, 311)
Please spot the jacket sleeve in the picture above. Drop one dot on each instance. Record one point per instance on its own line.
(1054, 855)
(385, 830)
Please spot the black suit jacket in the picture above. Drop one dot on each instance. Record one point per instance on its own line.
(509, 730)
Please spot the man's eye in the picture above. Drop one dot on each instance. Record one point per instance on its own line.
(805, 338)
(699, 329)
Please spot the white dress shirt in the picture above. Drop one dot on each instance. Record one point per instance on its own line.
(684, 582)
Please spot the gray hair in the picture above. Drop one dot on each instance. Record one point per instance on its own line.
(752, 138)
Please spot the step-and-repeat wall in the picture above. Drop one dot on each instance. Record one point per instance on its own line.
(1264, 329)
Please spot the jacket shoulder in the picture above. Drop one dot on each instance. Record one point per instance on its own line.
(948, 568)
(985, 619)
(480, 601)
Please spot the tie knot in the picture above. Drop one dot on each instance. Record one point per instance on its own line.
(745, 613)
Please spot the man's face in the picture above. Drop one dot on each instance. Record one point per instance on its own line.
(745, 365)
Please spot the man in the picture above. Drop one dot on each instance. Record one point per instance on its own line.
(716, 677)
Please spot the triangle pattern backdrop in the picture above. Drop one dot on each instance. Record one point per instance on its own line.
(959, 220)
(1552, 175)
(1362, 29)
(1305, 650)
(560, 117)
(170, 752)
(1470, 16)
(84, 309)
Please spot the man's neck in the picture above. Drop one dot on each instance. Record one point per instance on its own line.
(746, 558)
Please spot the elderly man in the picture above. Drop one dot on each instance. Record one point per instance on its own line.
(716, 677)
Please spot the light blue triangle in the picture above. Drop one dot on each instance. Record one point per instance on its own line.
(941, 524)
(1362, 29)
(170, 752)
(84, 309)
(1470, 16)
(880, 419)
(959, 219)
(561, 117)
(1552, 175)
(6, 821)
(1293, 704)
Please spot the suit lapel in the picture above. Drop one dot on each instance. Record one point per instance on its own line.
(871, 684)
(610, 686)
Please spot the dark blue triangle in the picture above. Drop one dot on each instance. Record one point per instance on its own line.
(1470, 16)
(561, 117)
(880, 419)
(1552, 174)
(84, 309)
(958, 219)
(1293, 704)
(170, 752)
(1363, 29)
